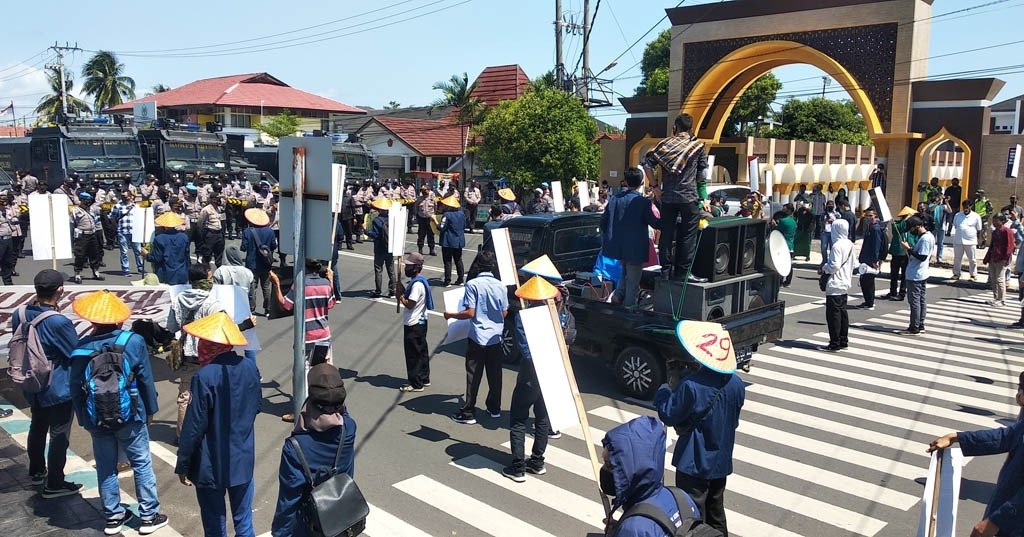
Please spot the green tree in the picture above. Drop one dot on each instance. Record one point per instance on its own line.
(158, 88)
(106, 82)
(753, 106)
(821, 120)
(544, 135)
(655, 66)
(392, 105)
(278, 126)
(457, 93)
(49, 107)
(547, 80)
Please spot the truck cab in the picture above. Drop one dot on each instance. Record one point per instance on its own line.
(178, 154)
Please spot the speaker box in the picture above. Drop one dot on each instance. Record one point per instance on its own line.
(706, 301)
(730, 247)
(750, 254)
(759, 291)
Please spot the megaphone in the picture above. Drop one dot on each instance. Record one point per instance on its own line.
(777, 254)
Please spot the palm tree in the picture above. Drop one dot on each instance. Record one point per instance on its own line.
(105, 81)
(458, 94)
(159, 88)
(49, 107)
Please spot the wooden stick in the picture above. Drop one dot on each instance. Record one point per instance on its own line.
(933, 518)
(398, 278)
(53, 235)
(334, 243)
(581, 411)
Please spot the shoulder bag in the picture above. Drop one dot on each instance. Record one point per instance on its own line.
(333, 505)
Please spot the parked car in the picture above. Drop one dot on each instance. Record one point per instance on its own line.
(734, 195)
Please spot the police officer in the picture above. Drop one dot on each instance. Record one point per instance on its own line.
(19, 200)
(261, 199)
(28, 182)
(211, 230)
(68, 189)
(86, 245)
(9, 229)
(150, 190)
(192, 206)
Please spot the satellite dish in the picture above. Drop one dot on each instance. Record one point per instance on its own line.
(777, 254)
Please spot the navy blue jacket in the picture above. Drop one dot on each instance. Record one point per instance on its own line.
(453, 229)
(875, 246)
(169, 256)
(143, 390)
(253, 260)
(706, 452)
(624, 227)
(217, 446)
(1006, 507)
(636, 451)
(379, 233)
(59, 339)
(319, 448)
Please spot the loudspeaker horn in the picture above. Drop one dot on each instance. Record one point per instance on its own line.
(777, 257)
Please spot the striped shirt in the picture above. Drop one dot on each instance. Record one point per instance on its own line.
(319, 300)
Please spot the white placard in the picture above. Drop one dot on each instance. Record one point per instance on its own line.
(949, 494)
(1013, 162)
(584, 192)
(557, 197)
(710, 173)
(542, 339)
(142, 224)
(398, 219)
(235, 302)
(754, 174)
(884, 214)
(503, 254)
(338, 173)
(50, 226)
(768, 178)
(458, 329)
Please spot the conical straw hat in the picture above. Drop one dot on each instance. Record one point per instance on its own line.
(218, 328)
(543, 267)
(257, 217)
(381, 204)
(507, 194)
(451, 202)
(101, 307)
(537, 289)
(906, 211)
(169, 219)
(709, 344)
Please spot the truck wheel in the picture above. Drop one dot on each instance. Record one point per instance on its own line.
(638, 372)
(509, 346)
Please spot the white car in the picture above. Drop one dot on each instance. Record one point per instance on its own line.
(734, 195)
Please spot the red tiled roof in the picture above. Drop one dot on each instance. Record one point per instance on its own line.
(6, 131)
(610, 136)
(242, 90)
(500, 83)
(430, 138)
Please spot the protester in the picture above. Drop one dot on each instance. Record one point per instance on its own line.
(899, 257)
(382, 260)
(169, 254)
(684, 162)
(509, 205)
(624, 235)
(51, 406)
(233, 271)
(843, 208)
(417, 301)
(877, 177)
(486, 304)
(325, 434)
(187, 306)
(917, 272)
(826, 218)
(97, 356)
(839, 268)
(216, 452)
(983, 206)
(538, 204)
(453, 240)
(345, 217)
(998, 257)
(785, 223)
(816, 202)
(873, 250)
(966, 226)
(1002, 513)
(1013, 206)
(259, 245)
(704, 407)
(121, 214)
(426, 206)
(942, 216)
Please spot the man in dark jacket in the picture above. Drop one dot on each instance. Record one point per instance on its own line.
(634, 473)
(453, 240)
(253, 237)
(382, 260)
(624, 236)
(169, 251)
(217, 448)
(1003, 512)
(872, 252)
(323, 429)
(705, 409)
(684, 164)
(106, 311)
(51, 407)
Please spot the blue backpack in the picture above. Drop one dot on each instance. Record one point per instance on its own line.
(108, 382)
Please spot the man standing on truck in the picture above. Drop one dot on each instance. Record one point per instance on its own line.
(624, 234)
(684, 166)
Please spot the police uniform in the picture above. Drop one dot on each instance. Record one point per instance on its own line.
(9, 229)
(192, 207)
(21, 203)
(149, 192)
(86, 245)
(211, 229)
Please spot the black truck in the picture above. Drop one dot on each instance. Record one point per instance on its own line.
(178, 154)
(639, 344)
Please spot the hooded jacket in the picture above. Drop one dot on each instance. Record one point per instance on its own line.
(188, 306)
(840, 260)
(636, 451)
(233, 272)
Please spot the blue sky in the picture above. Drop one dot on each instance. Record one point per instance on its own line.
(401, 60)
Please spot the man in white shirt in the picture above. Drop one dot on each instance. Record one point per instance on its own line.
(966, 226)
(417, 301)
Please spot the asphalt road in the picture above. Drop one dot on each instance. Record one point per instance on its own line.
(829, 444)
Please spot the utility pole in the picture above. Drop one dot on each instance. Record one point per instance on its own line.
(559, 62)
(825, 82)
(586, 52)
(60, 51)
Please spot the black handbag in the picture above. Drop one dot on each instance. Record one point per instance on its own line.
(332, 505)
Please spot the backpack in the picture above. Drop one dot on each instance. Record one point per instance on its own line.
(108, 381)
(331, 504)
(27, 364)
(264, 251)
(689, 526)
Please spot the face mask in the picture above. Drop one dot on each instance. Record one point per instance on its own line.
(607, 481)
(410, 271)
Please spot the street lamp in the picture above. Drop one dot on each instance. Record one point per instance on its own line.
(610, 65)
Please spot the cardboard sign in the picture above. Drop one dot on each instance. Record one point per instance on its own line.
(709, 344)
(541, 337)
(142, 224)
(938, 510)
(338, 173)
(584, 193)
(49, 226)
(503, 253)
(398, 220)
(754, 174)
(458, 329)
(884, 214)
(1013, 162)
(557, 197)
(235, 302)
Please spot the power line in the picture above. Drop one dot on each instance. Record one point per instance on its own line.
(22, 62)
(586, 38)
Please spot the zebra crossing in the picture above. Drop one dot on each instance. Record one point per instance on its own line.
(828, 444)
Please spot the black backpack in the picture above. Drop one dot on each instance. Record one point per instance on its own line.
(689, 528)
(108, 382)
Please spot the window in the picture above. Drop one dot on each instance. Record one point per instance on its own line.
(522, 240)
(237, 120)
(577, 240)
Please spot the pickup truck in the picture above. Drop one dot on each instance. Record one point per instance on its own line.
(640, 345)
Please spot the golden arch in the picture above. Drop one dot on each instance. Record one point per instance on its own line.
(745, 65)
(922, 164)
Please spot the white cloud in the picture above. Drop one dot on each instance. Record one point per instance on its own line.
(24, 85)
